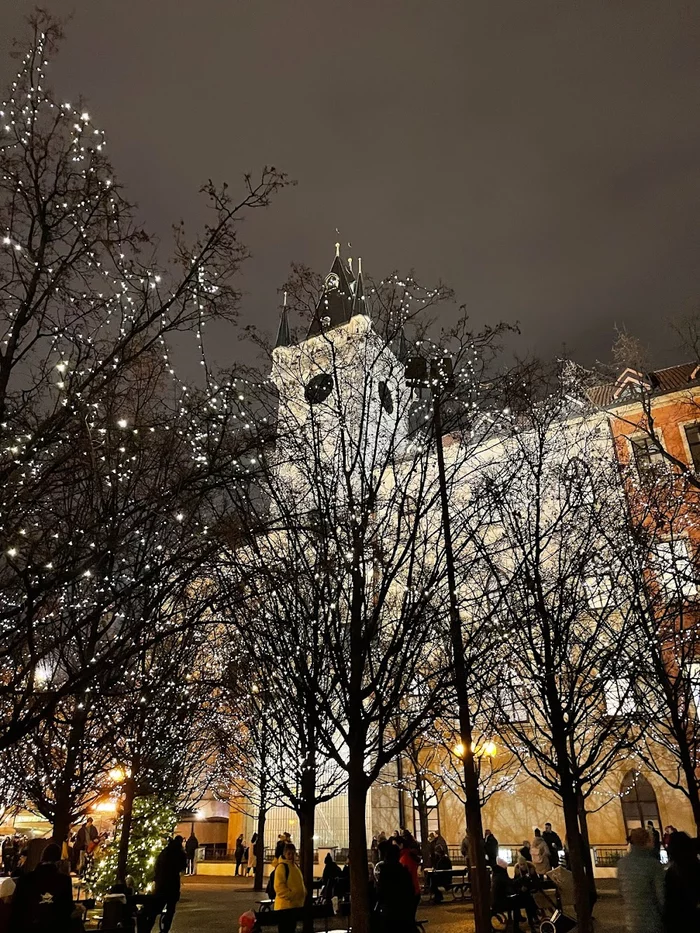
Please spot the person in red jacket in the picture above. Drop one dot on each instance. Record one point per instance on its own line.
(410, 859)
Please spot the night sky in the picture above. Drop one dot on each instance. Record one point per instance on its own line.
(542, 158)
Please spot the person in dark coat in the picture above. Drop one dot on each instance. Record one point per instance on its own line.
(331, 873)
(239, 852)
(395, 896)
(490, 847)
(43, 898)
(682, 883)
(554, 844)
(191, 847)
(441, 875)
(9, 855)
(170, 864)
(656, 840)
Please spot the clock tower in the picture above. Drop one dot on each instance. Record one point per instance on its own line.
(342, 386)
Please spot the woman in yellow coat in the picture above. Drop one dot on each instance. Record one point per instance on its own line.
(289, 887)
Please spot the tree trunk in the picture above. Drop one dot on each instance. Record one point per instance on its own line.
(125, 835)
(63, 811)
(481, 893)
(586, 843)
(307, 819)
(422, 807)
(359, 867)
(258, 883)
(576, 860)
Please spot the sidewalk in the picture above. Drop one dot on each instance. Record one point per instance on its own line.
(213, 905)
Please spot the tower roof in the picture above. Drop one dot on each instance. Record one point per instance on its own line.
(335, 306)
(284, 338)
(358, 299)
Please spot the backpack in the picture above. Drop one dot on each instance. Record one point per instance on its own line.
(270, 889)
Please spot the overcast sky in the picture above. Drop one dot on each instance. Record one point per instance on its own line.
(542, 158)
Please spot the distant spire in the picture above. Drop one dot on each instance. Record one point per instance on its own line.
(402, 351)
(358, 302)
(284, 338)
(337, 249)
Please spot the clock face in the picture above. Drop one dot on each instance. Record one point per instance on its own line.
(386, 398)
(332, 282)
(318, 389)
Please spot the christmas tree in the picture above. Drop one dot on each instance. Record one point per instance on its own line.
(153, 823)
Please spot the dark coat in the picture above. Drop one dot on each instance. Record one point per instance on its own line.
(191, 846)
(682, 904)
(491, 849)
(171, 862)
(395, 897)
(42, 902)
(555, 846)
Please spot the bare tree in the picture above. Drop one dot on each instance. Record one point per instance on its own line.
(350, 497)
(89, 479)
(558, 605)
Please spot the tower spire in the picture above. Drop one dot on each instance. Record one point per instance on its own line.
(283, 336)
(358, 301)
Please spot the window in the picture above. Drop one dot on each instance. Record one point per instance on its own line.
(692, 435)
(619, 700)
(695, 686)
(647, 455)
(599, 589)
(676, 571)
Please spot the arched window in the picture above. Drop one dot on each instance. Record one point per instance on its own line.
(431, 802)
(639, 802)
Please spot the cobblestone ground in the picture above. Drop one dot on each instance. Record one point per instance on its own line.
(212, 905)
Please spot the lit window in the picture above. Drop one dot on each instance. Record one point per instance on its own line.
(647, 455)
(692, 434)
(619, 700)
(599, 590)
(676, 571)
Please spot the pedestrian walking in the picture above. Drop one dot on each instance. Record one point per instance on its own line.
(290, 891)
(668, 832)
(43, 899)
(540, 854)
(170, 864)
(641, 881)
(554, 844)
(490, 847)
(239, 852)
(395, 893)
(682, 885)
(656, 840)
(191, 847)
(86, 840)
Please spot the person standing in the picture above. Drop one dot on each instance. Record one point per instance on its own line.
(554, 844)
(464, 848)
(191, 847)
(252, 858)
(239, 852)
(641, 881)
(682, 885)
(170, 864)
(290, 891)
(395, 895)
(490, 848)
(540, 854)
(410, 859)
(43, 899)
(9, 857)
(656, 840)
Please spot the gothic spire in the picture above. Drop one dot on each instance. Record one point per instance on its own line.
(358, 300)
(284, 338)
(335, 306)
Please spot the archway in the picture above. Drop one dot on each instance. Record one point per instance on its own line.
(639, 802)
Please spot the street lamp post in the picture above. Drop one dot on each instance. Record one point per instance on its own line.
(437, 376)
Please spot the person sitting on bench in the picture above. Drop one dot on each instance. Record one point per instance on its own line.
(441, 876)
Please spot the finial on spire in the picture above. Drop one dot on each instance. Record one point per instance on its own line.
(284, 302)
(350, 262)
(359, 265)
(337, 249)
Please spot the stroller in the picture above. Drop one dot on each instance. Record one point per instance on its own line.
(561, 906)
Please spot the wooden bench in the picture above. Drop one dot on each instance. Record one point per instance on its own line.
(453, 880)
(270, 918)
